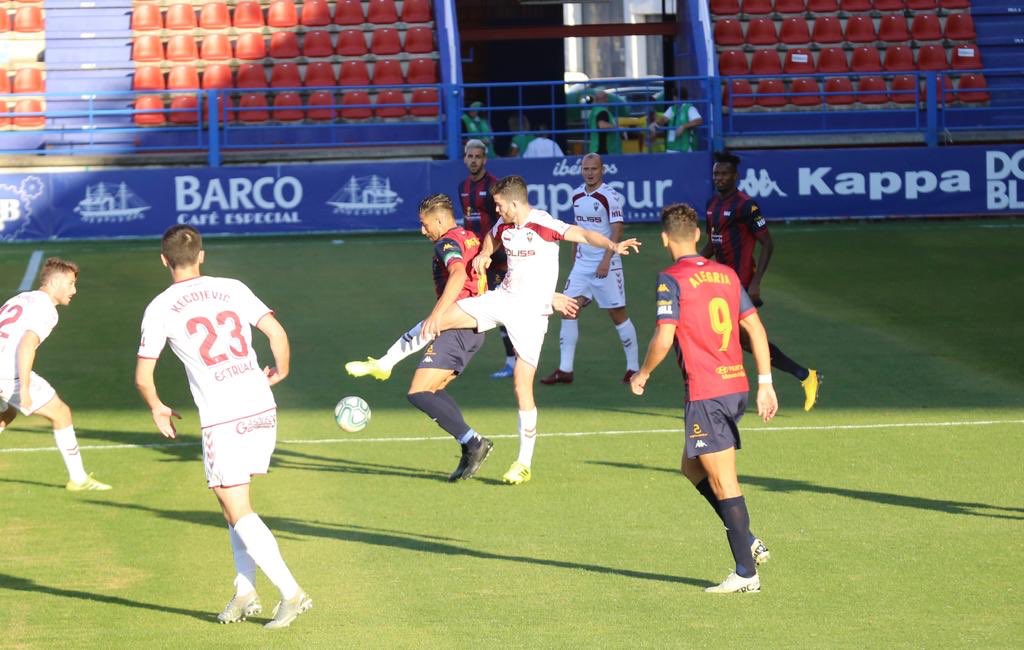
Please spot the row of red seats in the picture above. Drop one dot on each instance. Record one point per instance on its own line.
(320, 106)
(283, 75)
(284, 14)
(28, 19)
(905, 89)
(764, 7)
(22, 121)
(898, 58)
(283, 45)
(859, 29)
(26, 80)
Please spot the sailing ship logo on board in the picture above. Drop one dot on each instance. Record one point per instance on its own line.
(110, 203)
(366, 195)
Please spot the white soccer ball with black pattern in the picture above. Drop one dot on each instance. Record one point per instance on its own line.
(352, 413)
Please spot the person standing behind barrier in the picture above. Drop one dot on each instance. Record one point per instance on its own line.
(682, 121)
(476, 126)
(604, 135)
(542, 146)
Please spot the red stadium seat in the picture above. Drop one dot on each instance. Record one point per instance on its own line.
(390, 103)
(215, 47)
(966, 57)
(282, 14)
(385, 41)
(791, 6)
(354, 73)
(28, 80)
(771, 93)
(827, 30)
(926, 27)
(839, 91)
(740, 93)
(972, 89)
(285, 75)
(320, 74)
(183, 77)
(855, 6)
(147, 49)
(889, 5)
(866, 59)
(150, 103)
(798, 61)
(315, 13)
(425, 102)
(893, 29)
(960, 27)
(182, 48)
(760, 31)
(146, 17)
(320, 106)
(214, 15)
(423, 71)
(872, 91)
(832, 59)
(317, 43)
(148, 77)
(818, 7)
(28, 19)
(288, 107)
(860, 29)
(180, 17)
(732, 62)
(387, 72)
(250, 47)
(382, 12)
(252, 108)
(932, 57)
(248, 15)
(765, 62)
(725, 7)
(757, 7)
(795, 32)
(356, 105)
(899, 58)
(217, 76)
(416, 11)
(955, 4)
(728, 32)
(28, 105)
(805, 92)
(349, 12)
(419, 40)
(189, 105)
(251, 75)
(921, 5)
(284, 45)
(905, 89)
(351, 43)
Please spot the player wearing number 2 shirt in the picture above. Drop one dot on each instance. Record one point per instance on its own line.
(701, 309)
(207, 322)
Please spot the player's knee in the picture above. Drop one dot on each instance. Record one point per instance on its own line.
(421, 400)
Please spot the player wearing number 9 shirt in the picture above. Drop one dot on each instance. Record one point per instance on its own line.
(207, 322)
(701, 309)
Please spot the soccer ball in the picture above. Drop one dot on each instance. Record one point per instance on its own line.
(352, 413)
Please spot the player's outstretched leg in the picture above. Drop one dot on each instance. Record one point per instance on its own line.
(510, 356)
(59, 414)
(245, 602)
(407, 345)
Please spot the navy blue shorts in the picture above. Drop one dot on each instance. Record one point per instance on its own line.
(713, 424)
(452, 350)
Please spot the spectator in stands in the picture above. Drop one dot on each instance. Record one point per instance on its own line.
(542, 146)
(682, 120)
(604, 134)
(521, 123)
(475, 126)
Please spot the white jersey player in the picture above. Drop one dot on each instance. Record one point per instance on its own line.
(596, 274)
(26, 320)
(207, 322)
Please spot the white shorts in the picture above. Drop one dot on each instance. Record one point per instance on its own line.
(234, 451)
(10, 394)
(609, 291)
(526, 326)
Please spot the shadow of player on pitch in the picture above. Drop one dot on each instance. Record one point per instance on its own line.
(291, 459)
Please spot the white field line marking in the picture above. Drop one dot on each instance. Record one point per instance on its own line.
(31, 270)
(564, 434)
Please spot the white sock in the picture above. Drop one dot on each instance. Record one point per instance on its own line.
(409, 344)
(567, 343)
(527, 435)
(261, 545)
(245, 581)
(509, 361)
(627, 334)
(67, 443)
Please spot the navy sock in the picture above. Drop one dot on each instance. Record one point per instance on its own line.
(509, 350)
(785, 364)
(441, 408)
(737, 530)
(704, 487)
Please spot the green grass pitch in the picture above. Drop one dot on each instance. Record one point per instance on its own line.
(893, 510)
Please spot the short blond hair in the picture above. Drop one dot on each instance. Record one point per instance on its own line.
(54, 266)
(512, 188)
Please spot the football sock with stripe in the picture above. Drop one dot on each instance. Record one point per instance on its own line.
(567, 343)
(245, 580)
(527, 435)
(441, 408)
(627, 334)
(67, 443)
(785, 364)
(409, 344)
(510, 351)
(737, 530)
(261, 545)
(704, 487)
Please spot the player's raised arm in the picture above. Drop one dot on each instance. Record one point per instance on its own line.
(657, 350)
(161, 413)
(596, 239)
(767, 402)
(26, 359)
(279, 347)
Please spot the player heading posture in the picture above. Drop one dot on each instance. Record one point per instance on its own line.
(25, 322)
(701, 309)
(735, 224)
(479, 216)
(207, 322)
(596, 273)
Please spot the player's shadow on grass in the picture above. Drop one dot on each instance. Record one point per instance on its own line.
(396, 539)
(56, 486)
(290, 459)
(14, 583)
(885, 498)
(186, 447)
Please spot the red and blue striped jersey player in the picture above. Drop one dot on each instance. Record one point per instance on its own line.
(735, 228)
(701, 310)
